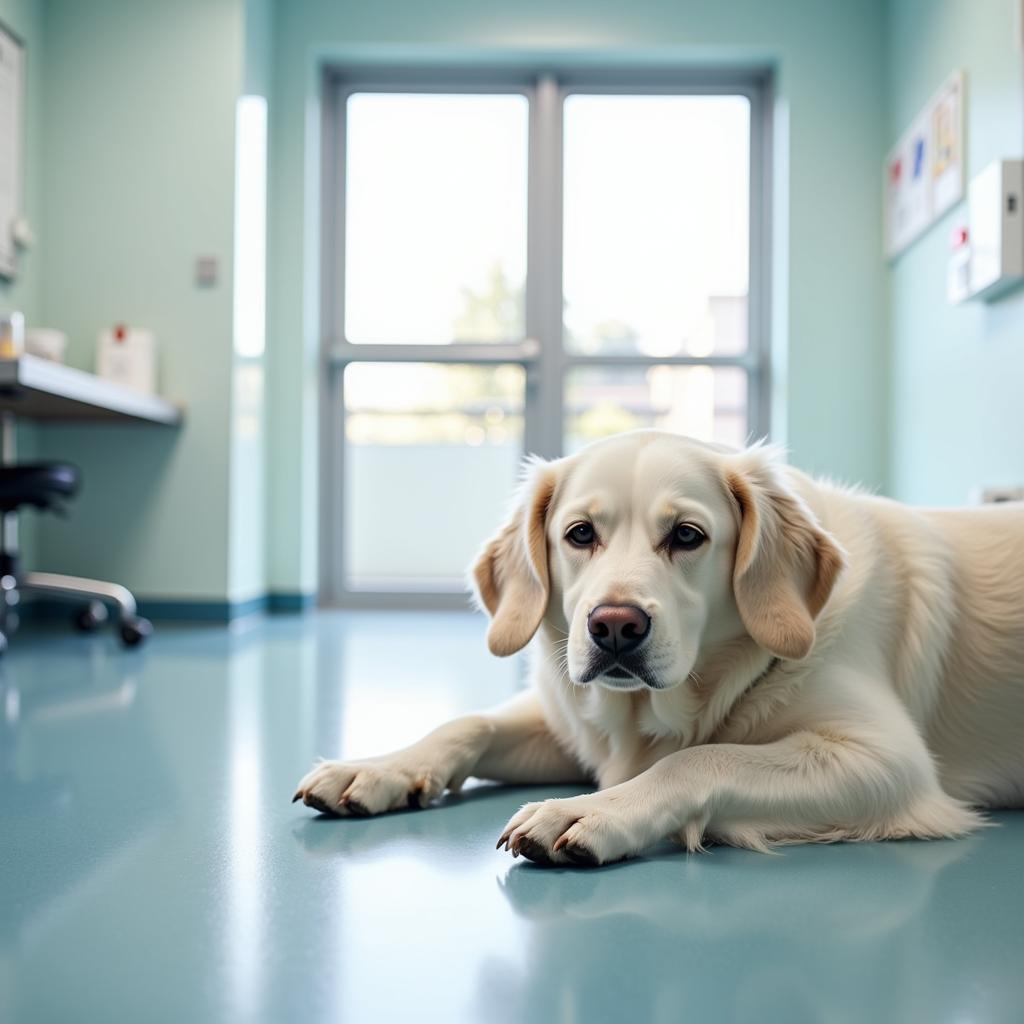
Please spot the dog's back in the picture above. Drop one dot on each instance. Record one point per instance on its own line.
(942, 592)
(977, 730)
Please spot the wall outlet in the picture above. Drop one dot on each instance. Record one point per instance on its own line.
(997, 495)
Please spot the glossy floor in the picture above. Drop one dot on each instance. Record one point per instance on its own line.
(153, 869)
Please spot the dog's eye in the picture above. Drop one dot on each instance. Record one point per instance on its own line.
(687, 537)
(581, 535)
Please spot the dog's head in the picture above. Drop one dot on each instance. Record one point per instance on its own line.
(647, 549)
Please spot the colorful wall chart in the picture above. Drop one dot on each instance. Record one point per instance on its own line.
(924, 172)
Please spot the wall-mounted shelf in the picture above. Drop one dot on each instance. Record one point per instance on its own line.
(38, 389)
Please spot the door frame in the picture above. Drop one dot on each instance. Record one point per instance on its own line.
(541, 353)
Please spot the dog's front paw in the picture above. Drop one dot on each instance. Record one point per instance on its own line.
(366, 787)
(585, 830)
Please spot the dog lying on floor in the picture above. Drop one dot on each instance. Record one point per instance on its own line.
(734, 653)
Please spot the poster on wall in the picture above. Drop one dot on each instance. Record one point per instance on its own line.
(924, 172)
(947, 155)
(908, 179)
(12, 71)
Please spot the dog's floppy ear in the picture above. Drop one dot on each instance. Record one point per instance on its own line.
(786, 564)
(511, 572)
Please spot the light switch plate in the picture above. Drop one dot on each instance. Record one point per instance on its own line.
(206, 271)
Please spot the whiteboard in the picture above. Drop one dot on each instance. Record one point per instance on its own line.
(12, 107)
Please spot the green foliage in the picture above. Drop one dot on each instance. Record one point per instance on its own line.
(494, 314)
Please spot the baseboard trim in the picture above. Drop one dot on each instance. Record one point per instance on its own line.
(197, 611)
(286, 602)
(164, 610)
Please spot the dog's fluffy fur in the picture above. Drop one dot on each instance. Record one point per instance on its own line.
(827, 665)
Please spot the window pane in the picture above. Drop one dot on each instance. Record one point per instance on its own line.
(432, 454)
(656, 224)
(435, 218)
(699, 401)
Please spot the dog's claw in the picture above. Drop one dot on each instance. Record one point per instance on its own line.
(298, 795)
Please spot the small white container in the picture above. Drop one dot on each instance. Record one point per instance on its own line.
(46, 343)
(127, 355)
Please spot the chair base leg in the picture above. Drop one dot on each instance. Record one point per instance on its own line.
(76, 587)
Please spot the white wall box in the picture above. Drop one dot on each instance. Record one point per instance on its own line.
(995, 233)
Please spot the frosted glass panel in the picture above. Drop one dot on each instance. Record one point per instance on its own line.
(431, 456)
(700, 401)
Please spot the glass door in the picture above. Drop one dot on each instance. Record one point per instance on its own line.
(430, 369)
(656, 254)
(523, 267)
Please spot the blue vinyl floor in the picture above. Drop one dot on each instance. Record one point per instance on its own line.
(152, 867)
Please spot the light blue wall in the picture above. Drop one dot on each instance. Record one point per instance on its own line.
(259, 47)
(247, 546)
(137, 171)
(957, 415)
(25, 19)
(131, 176)
(135, 157)
(829, 296)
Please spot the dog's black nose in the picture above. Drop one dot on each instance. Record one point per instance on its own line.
(618, 628)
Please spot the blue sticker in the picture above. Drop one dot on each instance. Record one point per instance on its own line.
(918, 157)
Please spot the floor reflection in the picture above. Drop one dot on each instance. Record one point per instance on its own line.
(746, 936)
(245, 864)
(46, 800)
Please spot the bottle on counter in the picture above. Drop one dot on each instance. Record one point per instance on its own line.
(12, 335)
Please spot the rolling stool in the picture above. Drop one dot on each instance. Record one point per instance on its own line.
(46, 486)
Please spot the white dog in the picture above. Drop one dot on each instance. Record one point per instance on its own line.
(734, 653)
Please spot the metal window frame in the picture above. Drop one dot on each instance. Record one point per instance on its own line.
(541, 352)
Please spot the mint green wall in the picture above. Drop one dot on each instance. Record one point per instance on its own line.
(829, 296)
(135, 157)
(131, 176)
(259, 47)
(137, 171)
(957, 418)
(247, 545)
(25, 19)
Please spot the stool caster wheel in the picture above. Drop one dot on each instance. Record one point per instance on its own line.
(91, 617)
(135, 630)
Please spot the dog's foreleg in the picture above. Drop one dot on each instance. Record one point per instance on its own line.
(810, 785)
(512, 744)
